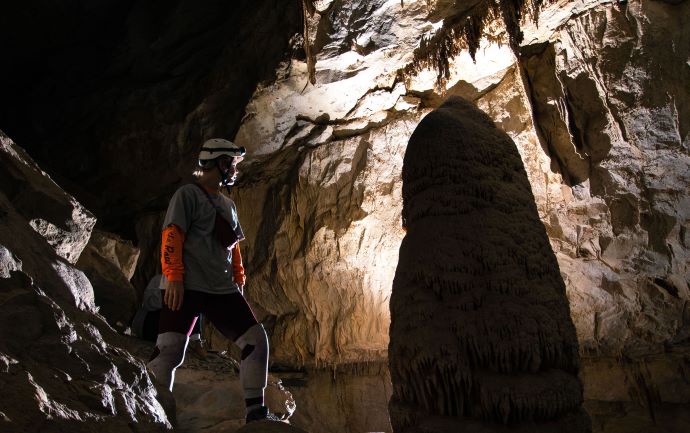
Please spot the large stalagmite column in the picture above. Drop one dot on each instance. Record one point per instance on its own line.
(481, 338)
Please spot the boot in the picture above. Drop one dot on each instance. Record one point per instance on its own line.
(261, 413)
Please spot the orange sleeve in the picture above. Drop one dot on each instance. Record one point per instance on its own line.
(237, 266)
(171, 253)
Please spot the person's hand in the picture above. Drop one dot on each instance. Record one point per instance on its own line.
(174, 295)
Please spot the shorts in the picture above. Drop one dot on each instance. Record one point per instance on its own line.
(229, 313)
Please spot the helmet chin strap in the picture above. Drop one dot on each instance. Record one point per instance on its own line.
(224, 179)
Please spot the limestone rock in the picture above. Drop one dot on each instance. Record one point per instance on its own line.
(322, 300)
(610, 99)
(106, 261)
(53, 213)
(27, 249)
(550, 102)
(59, 373)
(118, 251)
(323, 209)
(481, 328)
(62, 368)
(597, 104)
(8, 262)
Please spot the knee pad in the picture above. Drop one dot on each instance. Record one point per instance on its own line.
(170, 348)
(254, 363)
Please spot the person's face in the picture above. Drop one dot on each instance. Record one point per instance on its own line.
(229, 167)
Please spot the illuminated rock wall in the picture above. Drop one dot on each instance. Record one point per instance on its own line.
(612, 195)
(598, 111)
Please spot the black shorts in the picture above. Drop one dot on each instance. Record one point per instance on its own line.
(230, 314)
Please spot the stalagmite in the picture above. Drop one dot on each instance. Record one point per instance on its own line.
(498, 350)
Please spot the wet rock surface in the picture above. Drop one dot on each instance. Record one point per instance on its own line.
(270, 427)
(208, 396)
(327, 398)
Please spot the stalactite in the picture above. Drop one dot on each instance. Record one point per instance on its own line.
(464, 30)
(309, 8)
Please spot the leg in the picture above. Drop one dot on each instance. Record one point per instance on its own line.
(174, 328)
(235, 320)
(254, 364)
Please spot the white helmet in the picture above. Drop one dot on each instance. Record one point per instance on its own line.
(217, 147)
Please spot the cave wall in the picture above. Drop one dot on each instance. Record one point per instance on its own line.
(617, 224)
(611, 81)
(321, 189)
(595, 104)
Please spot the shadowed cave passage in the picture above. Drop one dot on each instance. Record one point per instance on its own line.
(480, 325)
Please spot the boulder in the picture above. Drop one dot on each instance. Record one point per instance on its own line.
(108, 262)
(120, 252)
(49, 210)
(62, 368)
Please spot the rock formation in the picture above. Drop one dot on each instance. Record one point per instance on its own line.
(480, 324)
(623, 148)
(585, 60)
(109, 262)
(62, 368)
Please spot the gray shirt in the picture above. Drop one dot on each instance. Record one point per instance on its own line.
(207, 265)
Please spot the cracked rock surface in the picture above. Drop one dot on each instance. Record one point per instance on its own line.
(62, 368)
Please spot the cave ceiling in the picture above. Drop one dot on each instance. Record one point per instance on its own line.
(113, 97)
